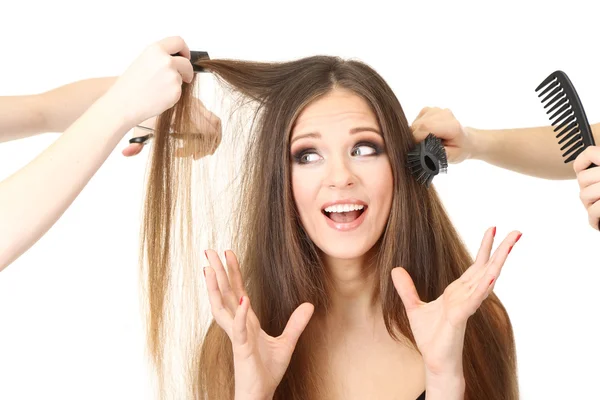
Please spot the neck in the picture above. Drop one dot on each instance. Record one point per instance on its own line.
(351, 293)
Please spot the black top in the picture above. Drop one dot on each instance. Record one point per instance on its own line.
(422, 396)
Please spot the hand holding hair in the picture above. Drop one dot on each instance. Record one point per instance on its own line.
(152, 83)
(260, 360)
(148, 87)
(533, 151)
(439, 326)
(589, 183)
(443, 124)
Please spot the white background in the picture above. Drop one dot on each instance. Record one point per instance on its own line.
(70, 322)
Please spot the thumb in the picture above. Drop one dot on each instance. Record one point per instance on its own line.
(406, 288)
(453, 153)
(132, 150)
(297, 323)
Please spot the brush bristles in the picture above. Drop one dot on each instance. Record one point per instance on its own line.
(430, 150)
(435, 148)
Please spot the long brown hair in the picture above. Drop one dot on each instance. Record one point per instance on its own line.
(280, 264)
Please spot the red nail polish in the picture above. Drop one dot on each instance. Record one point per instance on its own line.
(510, 249)
(204, 270)
(492, 281)
(494, 234)
(519, 237)
(241, 300)
(205, 254)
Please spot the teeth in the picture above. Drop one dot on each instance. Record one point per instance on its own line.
(344, 208)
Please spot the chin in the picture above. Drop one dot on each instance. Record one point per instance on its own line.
(344, 249)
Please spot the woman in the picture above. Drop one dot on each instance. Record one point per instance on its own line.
(352, 284)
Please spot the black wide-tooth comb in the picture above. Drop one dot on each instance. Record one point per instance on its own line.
(427, 159)
(569, 117)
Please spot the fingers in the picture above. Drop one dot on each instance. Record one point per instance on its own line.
(586, 158)
(406, 288)
(443, 127)
(594, 215)
(240, 330)
(482, 256)
(230, 300)
(487, 281)
(491, 273)
(175, 44)
(235, 275)
(590, 194)
(132, 150)
(184, 68)
(297, 323)
(221, 314)
(486, 246)
(588, 177)
(482, 291)
(424, 111)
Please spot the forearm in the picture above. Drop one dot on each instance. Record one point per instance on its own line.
(51, 111)
(35, 197)
(530, 151)
(65, 104)
(21, 116)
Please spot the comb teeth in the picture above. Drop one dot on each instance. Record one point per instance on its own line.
(427, 160)
(566, 114)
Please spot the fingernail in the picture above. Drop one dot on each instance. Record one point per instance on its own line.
(494, 234)
(510, 249)
(205, 254)
(519, 237)
(492, 281)
(241, 300)
(225, 253)
(204, 270)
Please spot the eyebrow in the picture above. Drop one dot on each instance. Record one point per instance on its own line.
(317, 135)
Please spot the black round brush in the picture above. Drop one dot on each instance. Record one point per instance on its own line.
(427, 159)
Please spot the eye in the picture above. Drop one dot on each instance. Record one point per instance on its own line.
(366, 149)
(306, 156)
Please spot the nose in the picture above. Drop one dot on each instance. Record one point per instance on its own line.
(339, 175)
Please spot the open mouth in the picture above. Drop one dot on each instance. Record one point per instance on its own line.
(344, 213)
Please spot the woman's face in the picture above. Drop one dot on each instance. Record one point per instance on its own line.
(341, 175)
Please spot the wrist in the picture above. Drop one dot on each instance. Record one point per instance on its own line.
(115, 109)
(120, 104)
(447, 387)
(104, 120)
(481, 143)
(251, 397)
